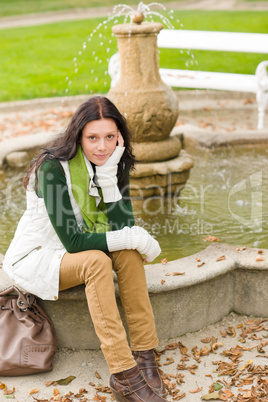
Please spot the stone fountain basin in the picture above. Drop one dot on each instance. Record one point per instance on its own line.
(202, 295)
(185, 297)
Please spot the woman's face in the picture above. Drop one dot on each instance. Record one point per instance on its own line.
(99, 139)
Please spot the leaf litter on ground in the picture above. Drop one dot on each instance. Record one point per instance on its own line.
(237, 375)
(234, 377)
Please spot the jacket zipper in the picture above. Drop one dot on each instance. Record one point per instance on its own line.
(26, 255)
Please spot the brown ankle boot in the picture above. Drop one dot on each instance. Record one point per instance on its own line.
(130, 386)
(149, 369)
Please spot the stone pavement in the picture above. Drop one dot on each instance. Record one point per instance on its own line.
(230, 355)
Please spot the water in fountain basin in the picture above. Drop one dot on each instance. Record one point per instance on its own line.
(226, 197)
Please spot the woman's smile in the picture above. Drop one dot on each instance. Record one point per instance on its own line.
(101, 156)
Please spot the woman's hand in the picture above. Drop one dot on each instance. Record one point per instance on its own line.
(146, 244)
(120, 139)
(135, 238)
(116, 155)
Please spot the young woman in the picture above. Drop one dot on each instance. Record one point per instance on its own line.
(78, 228)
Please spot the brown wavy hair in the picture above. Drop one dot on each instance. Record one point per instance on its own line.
(64, 147)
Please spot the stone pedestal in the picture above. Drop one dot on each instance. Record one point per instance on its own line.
(160, 178)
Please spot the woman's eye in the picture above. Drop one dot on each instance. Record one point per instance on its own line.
(92, 138)
(110, 136)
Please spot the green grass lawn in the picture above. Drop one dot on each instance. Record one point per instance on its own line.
(70, 58)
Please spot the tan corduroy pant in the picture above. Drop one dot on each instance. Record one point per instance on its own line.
(95, 269)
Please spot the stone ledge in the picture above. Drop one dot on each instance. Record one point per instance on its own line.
(24, 143)
(183, 303)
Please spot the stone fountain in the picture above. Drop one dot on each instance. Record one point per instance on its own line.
(231, 278)
(151, 108)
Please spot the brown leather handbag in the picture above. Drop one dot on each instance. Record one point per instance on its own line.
(27, 336)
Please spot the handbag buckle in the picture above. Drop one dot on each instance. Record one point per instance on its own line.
(21, 304)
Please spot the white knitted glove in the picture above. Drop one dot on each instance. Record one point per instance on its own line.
(106, 176)
(134, 238)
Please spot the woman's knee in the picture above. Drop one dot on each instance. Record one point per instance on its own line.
(131, 255)
(96, 261)
(126, 258)
(76, 268)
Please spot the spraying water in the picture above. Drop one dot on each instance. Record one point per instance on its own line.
(145, 9)
(120, 13)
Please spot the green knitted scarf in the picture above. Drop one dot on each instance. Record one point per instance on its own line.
(95, 217)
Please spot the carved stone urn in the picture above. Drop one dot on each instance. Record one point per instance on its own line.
(149, 105)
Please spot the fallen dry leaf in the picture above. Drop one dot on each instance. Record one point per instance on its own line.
(259, 259)
(179, 396)
(48, 383)
(97, 375)
(221, 258)
(162, 282)
(169, 361)
(99, 398)
(3, 386)
(206, 340)
(212, 395)
(211, 238)
(171, 346)
(178, 273)
(194, 391)
(200, 265)
(247, 394)
(164, 261)
(103, 388)
(56, 392)
(183, 349)
(233, 354)
(10, 392)
(66, 381)
(250, 322)
(204, 351)
(231, 332)
(33, 391)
